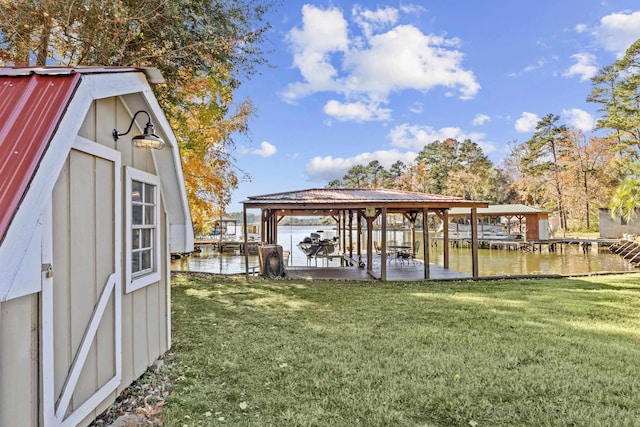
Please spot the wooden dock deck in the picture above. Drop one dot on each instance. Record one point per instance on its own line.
(395, 272)
(228, 246)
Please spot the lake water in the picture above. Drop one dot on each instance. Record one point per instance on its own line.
(571, 260)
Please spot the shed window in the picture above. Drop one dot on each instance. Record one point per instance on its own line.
(142, 235)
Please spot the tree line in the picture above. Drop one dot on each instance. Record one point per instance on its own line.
(204, 49)
(559, 168)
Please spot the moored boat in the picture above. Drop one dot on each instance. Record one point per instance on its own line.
(313, 245)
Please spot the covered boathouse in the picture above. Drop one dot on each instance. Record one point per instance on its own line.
(355, 208)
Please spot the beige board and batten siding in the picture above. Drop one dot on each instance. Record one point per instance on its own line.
(84, 258)
(144, 311)
(19, 373)
(75, 207)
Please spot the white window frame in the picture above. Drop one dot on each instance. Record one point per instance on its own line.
(134, 282)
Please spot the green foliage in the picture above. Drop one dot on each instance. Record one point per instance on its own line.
(449, 167)
(617, 89)
(626, 198)
(545, 151)
(204, 48)
(373, 175)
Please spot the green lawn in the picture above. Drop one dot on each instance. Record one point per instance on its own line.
(514, 352)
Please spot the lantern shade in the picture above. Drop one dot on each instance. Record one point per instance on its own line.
(147, 140)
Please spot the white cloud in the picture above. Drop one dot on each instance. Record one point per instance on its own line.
(416, 137)
(578, 119)
(616, 32)
(323, 32)
(402, 58)
(585, 66)
(329, 168)
(413, 9)
(541, 63)
(405, 58)
(356, 111)
(527, 122)
(416, 108)
(374, 20)
(581, 28)
(481, 119)
(266, 150)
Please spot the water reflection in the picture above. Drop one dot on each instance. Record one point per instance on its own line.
(571, 260)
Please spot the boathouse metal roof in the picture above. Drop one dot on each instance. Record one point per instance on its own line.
(500, 210)
(326, 199)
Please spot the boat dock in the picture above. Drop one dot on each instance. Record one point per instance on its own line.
(629, 250)
(551, 245)
(225, 246)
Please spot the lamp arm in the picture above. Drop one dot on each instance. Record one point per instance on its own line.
(117, 135)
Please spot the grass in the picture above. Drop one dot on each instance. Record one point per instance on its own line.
(551, 352)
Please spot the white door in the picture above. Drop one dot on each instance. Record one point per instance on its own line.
(81, 299)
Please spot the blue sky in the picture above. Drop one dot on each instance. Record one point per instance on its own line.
(353, 82)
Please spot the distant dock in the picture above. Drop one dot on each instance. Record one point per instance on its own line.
(552, 245)
(225, 246)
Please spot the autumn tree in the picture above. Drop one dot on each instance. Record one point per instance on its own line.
(616, 88)
(395, 172)
(587, 173)
(545, 150)
(526, 189)
(473, 175)
(204, 48)
(437, 159)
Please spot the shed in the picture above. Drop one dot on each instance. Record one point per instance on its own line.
(87, 226)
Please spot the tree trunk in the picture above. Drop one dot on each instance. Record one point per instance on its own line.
(43, 49)
(586, 194)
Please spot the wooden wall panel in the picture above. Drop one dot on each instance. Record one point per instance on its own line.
(153, 321)
(18, 361)
(61, 278)
(105, 266)
(88, 128)
(139, 326)
(122, 120)
(164, 328)
(84, 291)
(128, 370)
(105, 122)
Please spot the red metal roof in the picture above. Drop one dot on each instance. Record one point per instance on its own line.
(31, 105)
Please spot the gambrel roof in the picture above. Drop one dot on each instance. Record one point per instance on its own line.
(41, 112)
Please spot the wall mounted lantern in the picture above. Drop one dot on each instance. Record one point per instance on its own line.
(147, 140)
